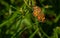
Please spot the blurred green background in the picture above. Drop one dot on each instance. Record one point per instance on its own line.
(17, 20)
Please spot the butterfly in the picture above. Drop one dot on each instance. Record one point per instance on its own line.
(37, 12)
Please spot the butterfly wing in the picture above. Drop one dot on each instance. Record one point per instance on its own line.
(37, 12)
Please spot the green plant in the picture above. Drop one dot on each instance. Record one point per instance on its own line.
(17, 20)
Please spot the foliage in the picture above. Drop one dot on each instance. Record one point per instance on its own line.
(17, 20)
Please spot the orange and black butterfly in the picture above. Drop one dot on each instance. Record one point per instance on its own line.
(37, 12)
